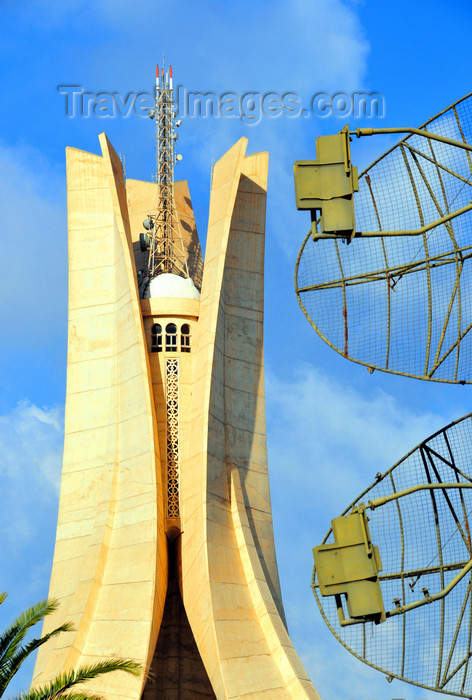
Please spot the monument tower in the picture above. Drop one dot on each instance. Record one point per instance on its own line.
(164, 548)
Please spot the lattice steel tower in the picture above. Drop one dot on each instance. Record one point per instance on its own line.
(164, 240)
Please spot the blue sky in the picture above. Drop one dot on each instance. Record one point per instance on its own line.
(331, 425)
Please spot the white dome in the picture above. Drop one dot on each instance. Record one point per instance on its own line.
(170, 285)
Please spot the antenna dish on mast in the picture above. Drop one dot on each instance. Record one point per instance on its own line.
(400, 556)
(398, 298)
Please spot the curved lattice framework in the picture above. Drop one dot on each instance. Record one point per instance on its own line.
(172, 405)
(402, 304)
(425, 545)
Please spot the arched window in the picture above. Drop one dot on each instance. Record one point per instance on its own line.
(156, 338)
(171, 337)
(185, 338)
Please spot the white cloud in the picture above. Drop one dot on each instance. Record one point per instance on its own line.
(294, 44)
(31, 441)
(32, 265)
(30, 462)
(326, 430)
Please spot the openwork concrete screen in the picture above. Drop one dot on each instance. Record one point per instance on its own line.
(424, 543)
(402, 304)
(172, 406)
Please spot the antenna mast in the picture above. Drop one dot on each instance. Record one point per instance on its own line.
(167, 252)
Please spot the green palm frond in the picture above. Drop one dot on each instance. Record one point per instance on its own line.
(38, 695)
(10, 666)
(42, 694)
(59, 686)
(81, 696)
(13, 636)
(12, 653)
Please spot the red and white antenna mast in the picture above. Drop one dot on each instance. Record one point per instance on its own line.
(166, 249)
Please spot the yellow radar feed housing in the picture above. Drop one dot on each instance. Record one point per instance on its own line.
(326, 186)
(350, 566)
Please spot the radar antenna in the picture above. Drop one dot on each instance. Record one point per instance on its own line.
(395, 587)
(384, 274)
(164, 237)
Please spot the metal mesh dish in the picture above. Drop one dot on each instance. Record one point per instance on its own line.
(402, 304)
(424, 543)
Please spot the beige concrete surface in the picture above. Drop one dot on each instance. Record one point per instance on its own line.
(110, 563)
(230, 582)
(224, 632)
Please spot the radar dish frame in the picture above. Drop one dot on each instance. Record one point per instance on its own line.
(432, 187)
(442, 454)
